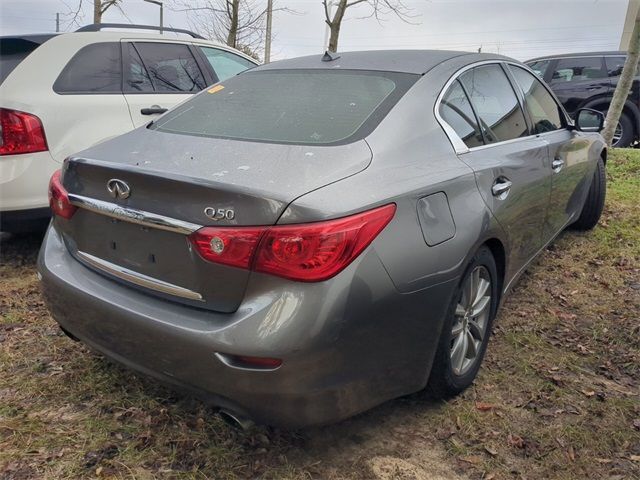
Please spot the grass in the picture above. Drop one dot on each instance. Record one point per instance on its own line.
(558, 396)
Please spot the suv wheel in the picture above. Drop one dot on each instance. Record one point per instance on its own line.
(623, 135)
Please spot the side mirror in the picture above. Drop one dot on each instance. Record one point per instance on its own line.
(589, 120)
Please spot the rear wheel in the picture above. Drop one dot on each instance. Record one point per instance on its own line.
(466, 330)
(623, 134)
(594, 203)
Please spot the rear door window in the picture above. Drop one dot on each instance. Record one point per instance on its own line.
(290, 106)
(136, 77)
(577, 69)
(95, 68)
(542, 108)
(171, 67)
(614, 65)
(495, 103)
(456, 110)
(226, 64)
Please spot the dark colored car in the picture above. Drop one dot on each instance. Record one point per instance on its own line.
(588, 80)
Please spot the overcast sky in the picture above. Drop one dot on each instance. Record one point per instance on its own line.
(519, 28)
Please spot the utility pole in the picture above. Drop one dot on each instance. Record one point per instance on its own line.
(156, 2)
(267, 45)
(57, 22)
(629, 22)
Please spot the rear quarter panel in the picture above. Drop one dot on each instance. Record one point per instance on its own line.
(412, 158)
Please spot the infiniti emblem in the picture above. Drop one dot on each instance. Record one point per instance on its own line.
(118, 189)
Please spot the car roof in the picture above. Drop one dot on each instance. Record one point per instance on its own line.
(580, 54)
(404, 61)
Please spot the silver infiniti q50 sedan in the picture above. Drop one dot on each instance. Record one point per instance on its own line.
(315, 236)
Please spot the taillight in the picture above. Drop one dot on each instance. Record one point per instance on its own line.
(229, 246)
(59, 199)
(309, 252)
(20, 133)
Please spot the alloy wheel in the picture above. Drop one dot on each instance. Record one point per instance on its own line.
(470, 320)
(617, 134)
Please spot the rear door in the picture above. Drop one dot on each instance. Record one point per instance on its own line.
(568, 153)
(158, 76)
(615, 64)
(578, 79)
(511, 167)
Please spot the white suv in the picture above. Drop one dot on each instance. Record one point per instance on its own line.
(60, 94)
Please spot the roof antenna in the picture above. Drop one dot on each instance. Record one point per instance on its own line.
(328, 57)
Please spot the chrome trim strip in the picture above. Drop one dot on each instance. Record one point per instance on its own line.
(458, 145)
(133, 215)
(138, 278)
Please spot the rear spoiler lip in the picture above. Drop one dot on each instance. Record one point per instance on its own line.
(37, 38)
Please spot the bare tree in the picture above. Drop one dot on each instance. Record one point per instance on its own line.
(624, 84)
(101, 6)
(76, 14)
(240, 24)
(378, 9)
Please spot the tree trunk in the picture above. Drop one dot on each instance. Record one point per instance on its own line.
(232, 38)
(334, 26)
(97, 11)
(624, 84)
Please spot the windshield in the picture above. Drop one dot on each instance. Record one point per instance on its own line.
(290, 106)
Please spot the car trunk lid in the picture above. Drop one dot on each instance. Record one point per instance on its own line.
(178, 183)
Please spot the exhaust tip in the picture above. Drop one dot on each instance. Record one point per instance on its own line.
(236, 420)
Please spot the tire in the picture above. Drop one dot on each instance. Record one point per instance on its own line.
(627, 131)
(594, 203)
(449, 376)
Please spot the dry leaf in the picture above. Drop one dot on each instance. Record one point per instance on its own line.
(491, 451)
(483, 407)
(472, 459)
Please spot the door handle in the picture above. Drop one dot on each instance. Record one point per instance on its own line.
(152, 110)
(557, 164)
(501, 188)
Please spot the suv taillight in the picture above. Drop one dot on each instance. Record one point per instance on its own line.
(59, 199)
(309, 252)
(20, 132)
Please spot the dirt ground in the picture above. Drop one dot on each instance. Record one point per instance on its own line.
(558, 396)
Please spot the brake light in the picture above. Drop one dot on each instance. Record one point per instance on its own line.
(309, 252)
(229, 246)
(20, 133)
(59, 199)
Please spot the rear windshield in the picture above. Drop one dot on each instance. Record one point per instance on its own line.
(290, 106)
(12, 52)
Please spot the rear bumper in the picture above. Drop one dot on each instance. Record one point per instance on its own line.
(347, 344)
(24, 181)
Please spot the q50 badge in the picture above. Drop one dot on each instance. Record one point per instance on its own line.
(217, 214)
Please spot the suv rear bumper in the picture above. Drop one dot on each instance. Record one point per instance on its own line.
(24, 202)
(22, 221)
(331, 368)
